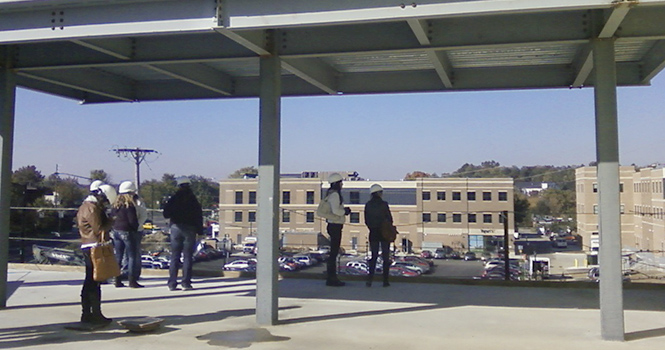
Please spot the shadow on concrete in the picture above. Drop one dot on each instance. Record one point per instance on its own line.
(56, 333)
(174, 295)
(651, 333)
(452, 295)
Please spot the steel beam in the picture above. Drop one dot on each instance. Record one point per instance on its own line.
(268, 189)
(7, 107)
(607, 154)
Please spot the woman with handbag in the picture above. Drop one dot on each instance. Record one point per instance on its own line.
(94, 226)
(378, 218)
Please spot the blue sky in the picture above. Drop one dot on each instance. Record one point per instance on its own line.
(383, 137)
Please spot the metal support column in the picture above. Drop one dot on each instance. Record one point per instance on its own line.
(607, 153)
(7, 102)
(268, 193)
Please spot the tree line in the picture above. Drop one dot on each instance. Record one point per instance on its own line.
(32, 189)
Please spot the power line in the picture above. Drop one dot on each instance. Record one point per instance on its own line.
(138, 155)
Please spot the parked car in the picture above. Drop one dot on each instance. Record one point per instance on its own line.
(151, 262)
(426, 254)
(410, 265)
(360, 265)
(241, 265)
(350, 270)
(306, 259)
(468, 256)
(418, 261)
(403, 271)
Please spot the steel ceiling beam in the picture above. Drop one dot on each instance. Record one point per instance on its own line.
(438, 59)
(612, 23)
(199, 75)
(89, 81)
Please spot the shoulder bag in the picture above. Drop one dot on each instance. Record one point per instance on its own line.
(104, 264)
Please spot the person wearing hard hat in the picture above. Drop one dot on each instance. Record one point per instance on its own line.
(335, 219)
(377, 213)
(186, 215)
(94, 226)
(126, 235)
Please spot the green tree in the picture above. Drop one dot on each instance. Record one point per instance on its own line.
(238, 174)
(416, 175)
(98, 174)
(522, 213)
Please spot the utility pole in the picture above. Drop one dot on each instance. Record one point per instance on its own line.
(138, 155)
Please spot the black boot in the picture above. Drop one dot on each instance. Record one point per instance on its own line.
(96, 315)
(118, 282)
(86, 314)
(134, 284)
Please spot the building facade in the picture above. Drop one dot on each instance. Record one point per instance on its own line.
(642, 206)
(457, 212)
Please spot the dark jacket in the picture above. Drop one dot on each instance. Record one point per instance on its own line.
(377, 212)
(125, 219)
(184, 209)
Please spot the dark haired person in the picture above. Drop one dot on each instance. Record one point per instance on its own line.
(377, 213)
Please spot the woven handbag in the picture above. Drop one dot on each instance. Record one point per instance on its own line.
(104, 264)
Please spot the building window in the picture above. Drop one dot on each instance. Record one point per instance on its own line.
(501, 218)
(355, 197)
(310, 197)
(457, 217)
(471, 196)
(427, 217)
(354, 218)
(441, 217)
(472, 217)
(595, 209)
(251, 216)
(503, 196)
(621, 187)
(286, 198)
(310, 216)
(595, 188)
(441, 195)
(252, 197)
(238, 216)
(487, 218)
(457, 196)
(238, 197)
(286, 216)
(426, 195)
(623, 207)
(487, 196)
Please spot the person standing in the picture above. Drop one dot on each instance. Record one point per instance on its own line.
(377, 213)
(185, 213)
(126, 235)
(94, 226)
(335, 219)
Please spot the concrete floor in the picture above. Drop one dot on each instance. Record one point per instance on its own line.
(219, 314)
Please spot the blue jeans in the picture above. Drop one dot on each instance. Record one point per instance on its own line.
(183, 241)
(127, 246)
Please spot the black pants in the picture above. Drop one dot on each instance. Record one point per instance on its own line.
(91, 293)
(335, 233)
(374, 242)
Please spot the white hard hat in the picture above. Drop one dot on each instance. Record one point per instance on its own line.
(334, 177)
(181, 180)
(375, 188)
(109, 192)
(94, 186)
(126, 187)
